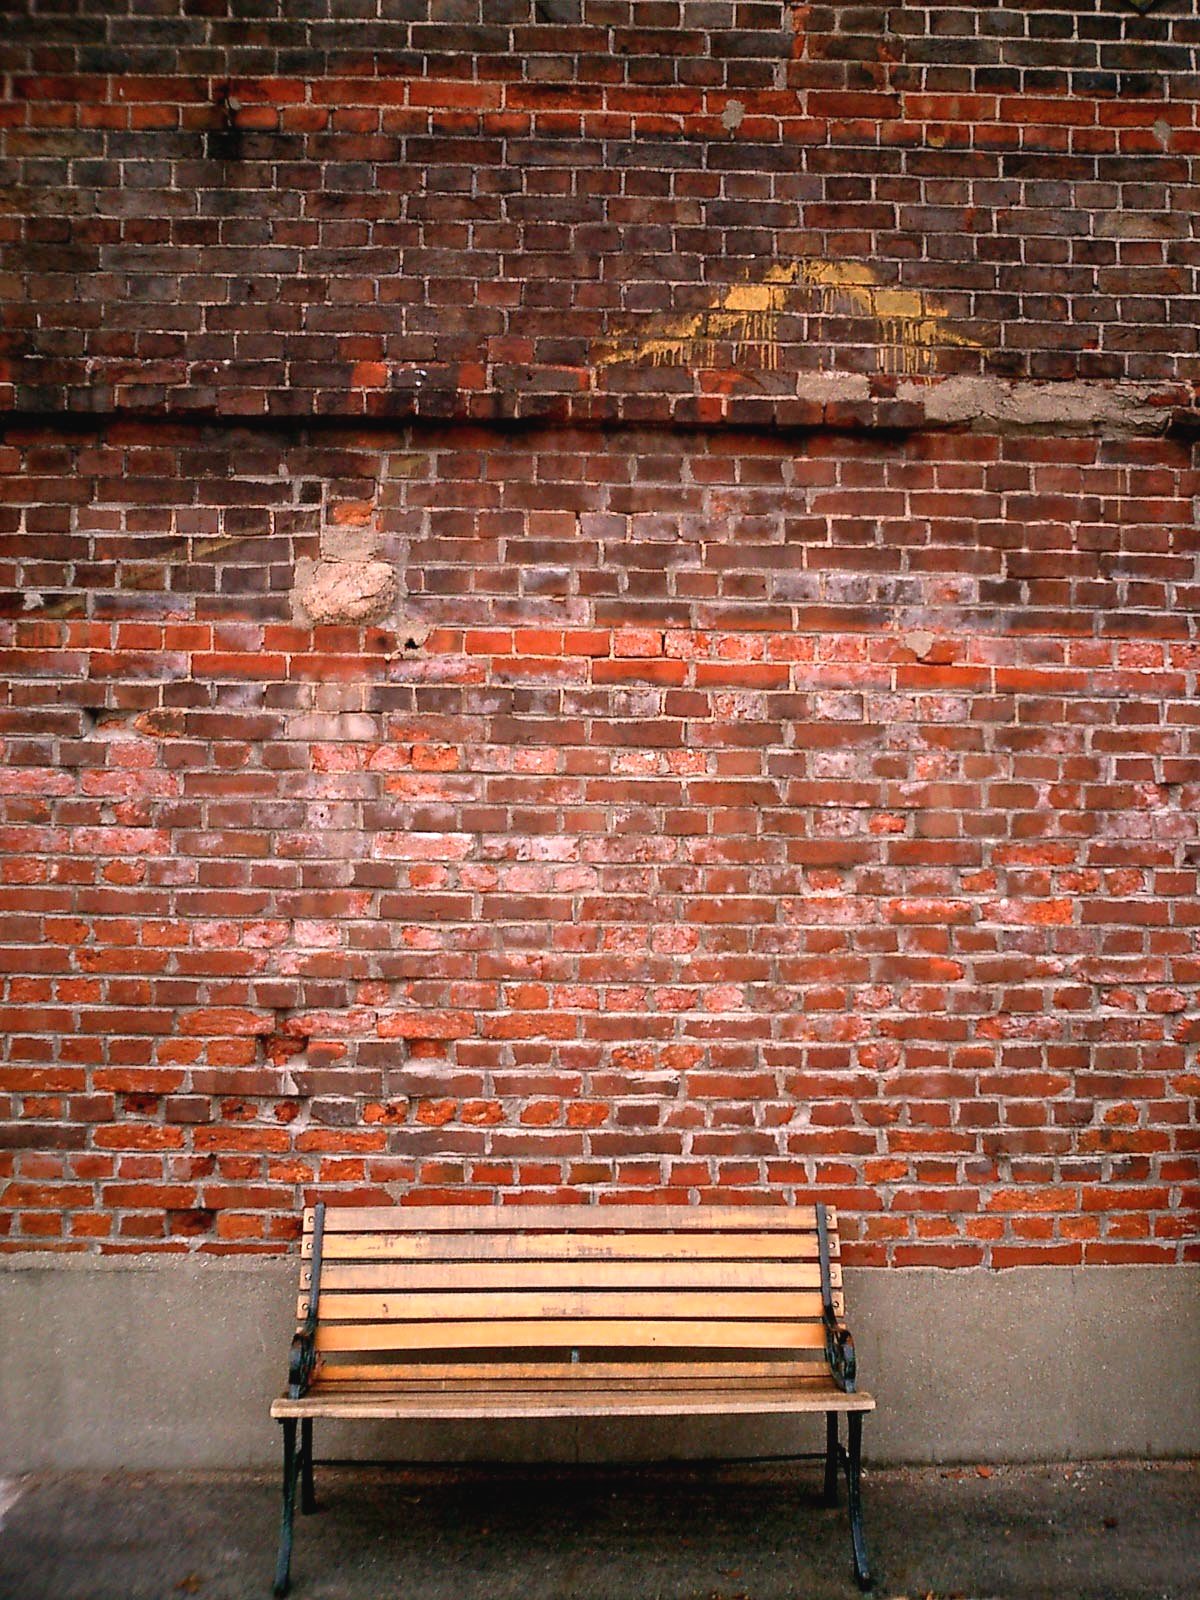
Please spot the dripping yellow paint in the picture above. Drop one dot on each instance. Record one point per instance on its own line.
(745, 319)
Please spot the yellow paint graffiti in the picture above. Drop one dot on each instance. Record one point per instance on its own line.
(745, 318)
(912, 330)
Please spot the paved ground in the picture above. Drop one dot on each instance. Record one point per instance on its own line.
(750, 1532)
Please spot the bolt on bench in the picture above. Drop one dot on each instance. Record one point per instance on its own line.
(576, 1311)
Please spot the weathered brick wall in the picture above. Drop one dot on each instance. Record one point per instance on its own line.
(239, 211)
(754, 449)
(760, 816)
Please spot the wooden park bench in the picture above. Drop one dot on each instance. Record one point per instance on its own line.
(579, 1311)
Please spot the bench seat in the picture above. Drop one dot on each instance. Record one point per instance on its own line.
(458, 1313)
(418, 1401)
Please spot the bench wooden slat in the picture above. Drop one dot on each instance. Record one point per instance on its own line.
(566, 1247)
(364, 1387)
(634, 1333)
(480, 1275)
(568, 1403)
(552, 1304)
(573, 1219)
(478, 1374)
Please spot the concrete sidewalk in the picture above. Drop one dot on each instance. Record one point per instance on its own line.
(711, 1532)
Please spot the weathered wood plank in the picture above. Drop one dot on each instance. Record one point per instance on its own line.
(562, 1372)
(481, 1275)
(569, 1247)
(569, 1403)
(576, 1219)
(552, 1304)
(634, 1333)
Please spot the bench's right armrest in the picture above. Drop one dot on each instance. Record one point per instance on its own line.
(839, 1351)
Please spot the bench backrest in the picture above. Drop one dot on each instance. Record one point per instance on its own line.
(585, 1285)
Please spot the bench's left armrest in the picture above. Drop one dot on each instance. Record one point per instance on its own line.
(303, 1359)
(301, 1362)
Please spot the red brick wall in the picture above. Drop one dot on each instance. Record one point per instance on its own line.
(424, 215)
(760, 817)
(780, 776)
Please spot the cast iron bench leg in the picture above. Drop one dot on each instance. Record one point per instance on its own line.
(283, 1565)
(862, 1571)
(831, 1458)
(308, 1497)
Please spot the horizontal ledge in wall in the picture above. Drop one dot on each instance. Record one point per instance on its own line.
(757, 415)
(874, 417)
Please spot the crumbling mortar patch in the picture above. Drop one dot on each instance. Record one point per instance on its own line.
(1006, 405)
(353, 591)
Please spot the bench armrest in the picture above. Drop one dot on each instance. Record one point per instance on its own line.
(839, 1351)
(839, 1346)
(302, 1360)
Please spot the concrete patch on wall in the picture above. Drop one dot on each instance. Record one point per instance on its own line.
(920, 641)
(1123, 408)
(833, 388)
(160, 1363)
(352, 592)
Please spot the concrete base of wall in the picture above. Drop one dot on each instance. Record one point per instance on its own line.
(167, 1364)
